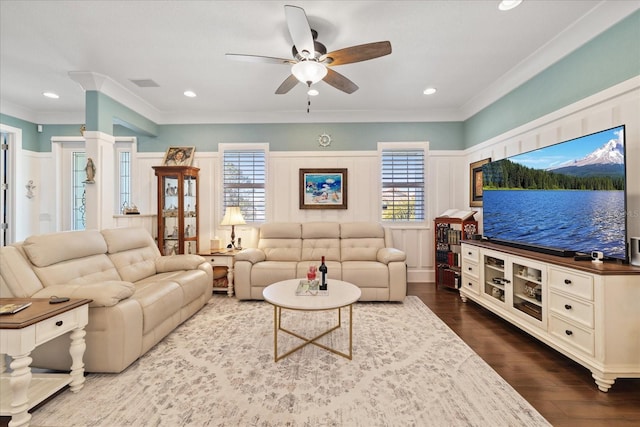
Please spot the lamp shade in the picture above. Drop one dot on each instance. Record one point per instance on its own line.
(309, 72)
(232, 216)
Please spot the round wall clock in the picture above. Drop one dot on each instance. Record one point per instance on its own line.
(324, 140)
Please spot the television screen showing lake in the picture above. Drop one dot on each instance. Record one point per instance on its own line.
(576, 220)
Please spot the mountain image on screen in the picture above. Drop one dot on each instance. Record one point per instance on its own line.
(607, 160)
(563, 198)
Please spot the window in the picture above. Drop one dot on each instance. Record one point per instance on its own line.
(403, 181)
(78, 197)
(244, 178)
(125, 152)
(124, 163)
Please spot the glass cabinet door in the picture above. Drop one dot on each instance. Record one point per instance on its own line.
(495, 279)
(170, 218)
(528, 289)
(190, 215)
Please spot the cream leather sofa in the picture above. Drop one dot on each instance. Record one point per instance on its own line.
(361, 253)
(138, 295)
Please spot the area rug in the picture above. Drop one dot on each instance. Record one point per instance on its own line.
(218, 369)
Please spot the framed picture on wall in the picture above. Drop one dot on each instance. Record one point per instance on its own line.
(179, 156)
(323, 188)
(475, 182)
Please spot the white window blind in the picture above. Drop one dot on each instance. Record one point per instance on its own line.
(244, 182)
(403, 184)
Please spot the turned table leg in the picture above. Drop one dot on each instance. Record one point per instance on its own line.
(20, 380)
(76, 350)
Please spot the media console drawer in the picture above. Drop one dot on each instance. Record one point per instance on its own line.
(571, 308)
(471, 269)
(470, 284)
(470, 253)
(571, 282)
(580, 338)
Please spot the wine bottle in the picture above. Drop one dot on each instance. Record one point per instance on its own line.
(323, 270)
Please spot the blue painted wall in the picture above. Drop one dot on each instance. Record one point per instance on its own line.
(609, 59)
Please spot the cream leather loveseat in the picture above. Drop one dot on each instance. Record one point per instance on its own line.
(138, 295)
(361, 253)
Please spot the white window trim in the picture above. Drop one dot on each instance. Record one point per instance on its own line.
(222, 147)
(424, 146)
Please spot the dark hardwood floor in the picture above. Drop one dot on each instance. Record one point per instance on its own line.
(560, 389)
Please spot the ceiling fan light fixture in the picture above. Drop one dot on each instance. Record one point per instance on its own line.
(309, 72)
(508, 4)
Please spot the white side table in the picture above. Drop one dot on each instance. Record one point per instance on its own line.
(223, 259)
(22, 332)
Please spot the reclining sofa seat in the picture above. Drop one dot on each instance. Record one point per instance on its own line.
(361, 253)
(138, 295)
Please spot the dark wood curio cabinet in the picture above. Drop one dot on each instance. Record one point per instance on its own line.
(178, 224)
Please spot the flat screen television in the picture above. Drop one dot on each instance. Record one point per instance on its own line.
(563, 199)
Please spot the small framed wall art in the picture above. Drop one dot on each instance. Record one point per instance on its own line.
(179, 156)
(475, 182)
(323, 188)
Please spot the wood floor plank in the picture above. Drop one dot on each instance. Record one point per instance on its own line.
(560, 389)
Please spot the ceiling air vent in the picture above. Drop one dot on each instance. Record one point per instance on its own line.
(144, 83)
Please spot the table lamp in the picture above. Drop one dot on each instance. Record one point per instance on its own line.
(233, 217)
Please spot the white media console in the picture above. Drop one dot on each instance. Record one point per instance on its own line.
(588, 311)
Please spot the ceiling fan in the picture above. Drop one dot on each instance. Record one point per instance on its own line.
(311, 62)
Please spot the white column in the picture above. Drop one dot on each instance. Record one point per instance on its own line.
(101, 195)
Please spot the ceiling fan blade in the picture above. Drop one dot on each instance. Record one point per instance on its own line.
(288, 84)
(259, 59)
(359, 53)
(300, 30)
(339, 81)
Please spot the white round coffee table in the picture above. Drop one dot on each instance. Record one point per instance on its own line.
(282, 295)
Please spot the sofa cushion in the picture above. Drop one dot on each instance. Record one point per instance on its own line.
(320, 239)
(126, 238)
(265, 273)
(365, 249)
(350, 230)
(281, 241)
(193, 282)
(178, 262)
(90, 269)
(366, 274)
(281, 249)
(281, 230)
(18, 279)
(159, 301)
(47, 249)
(360, 241)
(102, 294)
(321, 230)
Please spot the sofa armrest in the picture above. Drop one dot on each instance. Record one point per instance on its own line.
(387, 255)
(252, 255)
(178, 262)
(103, 294)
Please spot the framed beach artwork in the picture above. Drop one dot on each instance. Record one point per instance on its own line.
(179, 156)
(323, 188)
(475, 182)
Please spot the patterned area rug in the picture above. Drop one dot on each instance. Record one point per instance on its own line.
(217, 369)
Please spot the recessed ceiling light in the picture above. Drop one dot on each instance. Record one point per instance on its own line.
(509, 4)
(312, 92)
(190, 93)
(430, 91)
(51, 95)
